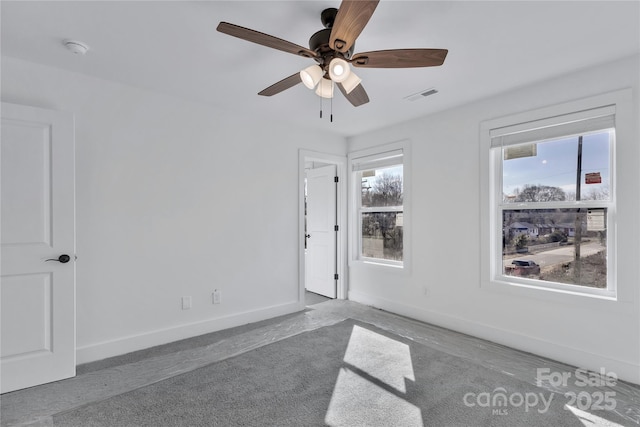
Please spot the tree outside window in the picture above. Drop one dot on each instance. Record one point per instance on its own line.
(381, 215)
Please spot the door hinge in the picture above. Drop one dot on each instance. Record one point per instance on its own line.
(336, 228)
(335, 179)
(335, 276)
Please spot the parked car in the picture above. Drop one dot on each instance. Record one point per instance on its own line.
(522, 268)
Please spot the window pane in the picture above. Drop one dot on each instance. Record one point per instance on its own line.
(595, 167)
(381, 187)
(542, 244)
(547, 171)
(382, 235)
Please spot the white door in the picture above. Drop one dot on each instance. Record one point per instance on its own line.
(37, 296)
(320, 265)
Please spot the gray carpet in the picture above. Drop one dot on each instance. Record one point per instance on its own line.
(176, 346)
(311, 298)
(349, 374)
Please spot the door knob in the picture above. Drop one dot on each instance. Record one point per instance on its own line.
(307, 236)
(62, 258)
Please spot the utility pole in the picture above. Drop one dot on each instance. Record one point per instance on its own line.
(577, 238)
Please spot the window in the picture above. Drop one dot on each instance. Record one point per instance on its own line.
(553, 201)
(379, 192)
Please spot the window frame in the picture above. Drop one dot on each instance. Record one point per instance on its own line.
(501, 206)
(492, 205)
(374, 158)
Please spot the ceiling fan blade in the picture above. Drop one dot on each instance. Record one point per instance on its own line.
(350, 20)
(400, 58)
(283, 84)
(265, 39)
(356, 97)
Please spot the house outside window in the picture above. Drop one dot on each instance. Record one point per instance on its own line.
(553, 202)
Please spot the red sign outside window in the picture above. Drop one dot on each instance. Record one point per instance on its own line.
(592, 178)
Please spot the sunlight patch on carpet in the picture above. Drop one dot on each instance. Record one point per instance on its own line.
(590, 420)
(357, 400)
(383, 358)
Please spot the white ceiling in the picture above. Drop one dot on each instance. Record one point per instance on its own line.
(173, 47)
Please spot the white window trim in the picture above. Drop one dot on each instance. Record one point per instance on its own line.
(490, 167)
(362, 156)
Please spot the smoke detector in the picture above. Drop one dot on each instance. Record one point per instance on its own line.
(76, 47)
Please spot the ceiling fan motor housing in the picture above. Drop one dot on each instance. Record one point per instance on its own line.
(319, 42)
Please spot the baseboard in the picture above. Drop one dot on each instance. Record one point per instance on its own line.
(624, 370)
(124, 345)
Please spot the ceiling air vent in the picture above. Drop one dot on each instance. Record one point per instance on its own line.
(421, 94)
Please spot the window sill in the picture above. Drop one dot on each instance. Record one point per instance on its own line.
(564, 297)
(563, 289)
(372, 262)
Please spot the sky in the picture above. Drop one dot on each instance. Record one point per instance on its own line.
(555, 165)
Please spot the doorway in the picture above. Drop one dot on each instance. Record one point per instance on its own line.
(320, 233)
(322, 219)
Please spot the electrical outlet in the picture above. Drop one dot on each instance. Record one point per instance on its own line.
(215, 297)
(186, 303)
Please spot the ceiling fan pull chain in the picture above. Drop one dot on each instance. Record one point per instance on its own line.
(320, 106)
(331, 116)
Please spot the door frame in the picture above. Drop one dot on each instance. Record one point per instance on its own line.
(305, 156)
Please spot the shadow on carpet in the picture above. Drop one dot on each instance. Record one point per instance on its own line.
(349, 374)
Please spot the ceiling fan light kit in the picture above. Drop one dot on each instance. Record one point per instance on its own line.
(325, 88)
(351, 82)
(339, 70)
(332, 49)
(311, 76)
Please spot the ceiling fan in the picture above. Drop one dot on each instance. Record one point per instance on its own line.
(332, 49)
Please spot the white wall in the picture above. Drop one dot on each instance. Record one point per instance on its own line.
(446, 236)
(173, 199)
(176, 198)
